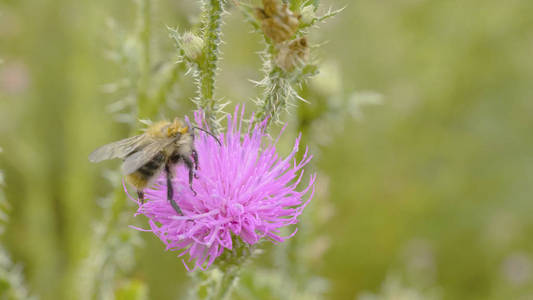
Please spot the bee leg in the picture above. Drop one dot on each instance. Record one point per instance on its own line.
(170, 190)
(140, 194)
(195, 158)
(190, 165)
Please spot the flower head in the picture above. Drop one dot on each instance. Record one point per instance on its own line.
(244, 190)
(192, 45)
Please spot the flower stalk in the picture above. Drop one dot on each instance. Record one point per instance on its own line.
(218, 283)
(208, 64)
(226, 285)
(275, 96)
(285, 58)
(230, 264)
(279, 85)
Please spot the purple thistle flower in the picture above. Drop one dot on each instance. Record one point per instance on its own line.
(244, 189)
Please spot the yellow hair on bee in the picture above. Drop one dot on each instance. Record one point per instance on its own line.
(156, 130)
(176, 127)
(165, 129)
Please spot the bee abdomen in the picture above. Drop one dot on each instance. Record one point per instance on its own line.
(143, 175)
(145, 172)
(151, 167)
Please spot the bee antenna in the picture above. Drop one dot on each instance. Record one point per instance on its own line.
(208, 132)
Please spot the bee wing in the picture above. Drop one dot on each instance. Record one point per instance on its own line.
(140, 158)
(118, 149)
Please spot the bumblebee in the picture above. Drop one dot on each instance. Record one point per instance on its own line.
(163, 145)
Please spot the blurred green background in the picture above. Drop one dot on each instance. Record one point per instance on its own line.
(430, 190)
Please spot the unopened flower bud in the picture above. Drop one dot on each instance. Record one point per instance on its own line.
(308, 15)
(278, 22)
(192, 45)
(293, 54)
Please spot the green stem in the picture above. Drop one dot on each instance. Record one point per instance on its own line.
(208, 66)
(227, 283)
(218, 283)
(275, 96)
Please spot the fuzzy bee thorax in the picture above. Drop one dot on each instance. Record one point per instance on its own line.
(166, 129)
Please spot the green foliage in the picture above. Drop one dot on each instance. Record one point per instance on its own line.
(445, 159)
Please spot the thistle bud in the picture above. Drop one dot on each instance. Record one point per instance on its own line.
(293, 54)
(278, 22)
(192, 45)
(308, 15)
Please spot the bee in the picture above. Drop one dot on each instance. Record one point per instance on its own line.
(163, 145)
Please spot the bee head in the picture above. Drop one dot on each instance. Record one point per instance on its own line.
(177, 127)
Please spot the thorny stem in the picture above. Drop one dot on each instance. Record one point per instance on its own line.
(208, 67)
(215, 284)
(227, 283)
(218, 284)
(278, 88)
(275, 96)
